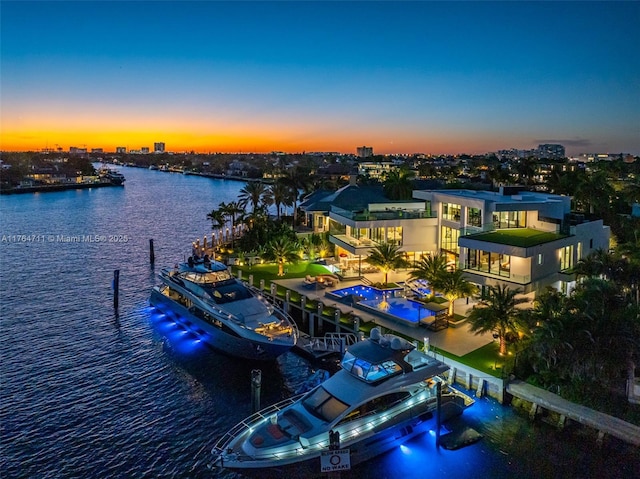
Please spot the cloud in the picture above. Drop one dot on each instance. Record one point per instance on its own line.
(576, 142)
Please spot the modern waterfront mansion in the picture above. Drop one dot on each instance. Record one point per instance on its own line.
(528, 240)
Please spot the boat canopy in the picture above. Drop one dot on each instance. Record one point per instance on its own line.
(377, 359)
(367, 370)
(203, 276)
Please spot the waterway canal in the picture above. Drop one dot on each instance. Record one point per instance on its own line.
(88, 393)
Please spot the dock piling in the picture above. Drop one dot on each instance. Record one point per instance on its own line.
(116, 288)
(438, 412)
(256, 384)
(152, 255)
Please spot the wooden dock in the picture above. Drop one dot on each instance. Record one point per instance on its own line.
(603, 423)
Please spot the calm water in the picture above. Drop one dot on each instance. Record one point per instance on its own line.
(88, 393)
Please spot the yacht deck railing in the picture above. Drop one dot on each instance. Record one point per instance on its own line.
(347, 431)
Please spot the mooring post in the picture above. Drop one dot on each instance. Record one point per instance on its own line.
(116, 288)
(256, 383)
(334, 445)
(438, 411)
(152, 255)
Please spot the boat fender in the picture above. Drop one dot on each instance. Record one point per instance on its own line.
(375, 334)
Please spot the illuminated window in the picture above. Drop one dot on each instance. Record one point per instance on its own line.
(450, 212)
(449, 240)
(566, 257)
(510, 219)
(474, 217)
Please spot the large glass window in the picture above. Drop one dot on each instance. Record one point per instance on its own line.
(427, 207)
(486, 262)
(474, 217)
(336, 228)
(377, 235)
(566, 257)
(394, 235)
(449, 240)
(450, 211)
(510, 219)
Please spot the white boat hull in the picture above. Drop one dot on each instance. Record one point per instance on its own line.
(216, 337)
(361, 449)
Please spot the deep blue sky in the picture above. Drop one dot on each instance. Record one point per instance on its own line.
(399, 76)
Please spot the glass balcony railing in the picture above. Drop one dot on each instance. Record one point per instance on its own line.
(355, 242)
(382, 215)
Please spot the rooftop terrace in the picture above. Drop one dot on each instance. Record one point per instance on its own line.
(521, 237)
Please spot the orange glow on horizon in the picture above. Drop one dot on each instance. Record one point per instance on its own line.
(231, 142)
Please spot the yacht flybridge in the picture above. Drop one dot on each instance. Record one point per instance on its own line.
(384, 394)
(232, 318)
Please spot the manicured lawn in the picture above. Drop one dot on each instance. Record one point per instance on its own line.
(487, 359)
(521, 237)
(269, 272)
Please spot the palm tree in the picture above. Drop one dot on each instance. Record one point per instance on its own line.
(252, 193)
(398, 185)
(232, 210)
(498, 175)
(563, 182)
(454, 286)
(527, 169)
(217, 218)
(387, 257)
(297, 179)
(549, 321)
(430, 268)
(282, 250)
(631, 192)
(594, 192)
(607, 334)
(278, 194)
(497, 313)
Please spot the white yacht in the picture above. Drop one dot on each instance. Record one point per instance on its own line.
(384, 394)
(234, 319)
(109, 174)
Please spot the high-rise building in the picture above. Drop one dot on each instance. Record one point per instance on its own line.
(551, 150)
(364, 151)
(144, 150)
(121, 149)
(158, 147)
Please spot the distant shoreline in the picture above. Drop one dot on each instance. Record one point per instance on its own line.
(215, 176)
(60, 187)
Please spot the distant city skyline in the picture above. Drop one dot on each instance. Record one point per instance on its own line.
(414, 77)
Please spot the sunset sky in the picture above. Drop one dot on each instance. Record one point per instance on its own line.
(449, 77)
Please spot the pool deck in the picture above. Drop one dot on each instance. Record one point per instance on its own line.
(458, 341)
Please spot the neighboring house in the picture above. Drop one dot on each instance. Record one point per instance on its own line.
(360, 217)
(527, 239)
(379, 170)
(238, 168)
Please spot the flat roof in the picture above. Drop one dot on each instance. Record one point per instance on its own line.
(497, 197)
(521, 237)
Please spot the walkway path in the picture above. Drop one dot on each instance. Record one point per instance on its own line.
(601, 422)
(458, 341)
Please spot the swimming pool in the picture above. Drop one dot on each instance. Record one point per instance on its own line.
(403, 309)
(363, 291)
(385, 303)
